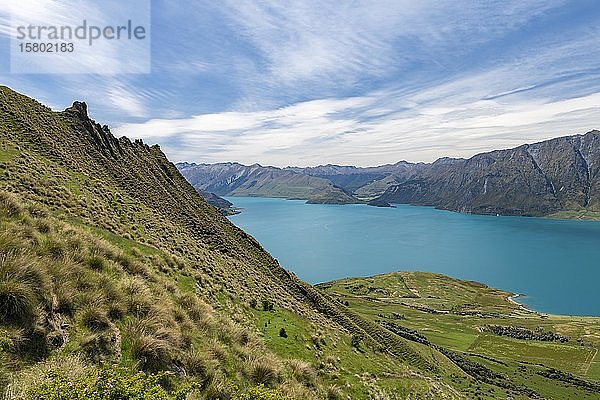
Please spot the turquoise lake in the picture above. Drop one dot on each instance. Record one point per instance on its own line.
(555, 263)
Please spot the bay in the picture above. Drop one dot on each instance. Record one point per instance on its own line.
(555, 263)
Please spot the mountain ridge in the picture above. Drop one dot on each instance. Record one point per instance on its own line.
(234, 179)
(537, 179)
(554, 177)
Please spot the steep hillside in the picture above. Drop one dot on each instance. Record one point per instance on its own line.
(233, 179)
(88, 314)
(535, 180)
(179, 250)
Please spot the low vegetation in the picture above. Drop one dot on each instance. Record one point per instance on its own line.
(82, 317)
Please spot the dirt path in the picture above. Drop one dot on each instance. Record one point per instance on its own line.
(589, 364)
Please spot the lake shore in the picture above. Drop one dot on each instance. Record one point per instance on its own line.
(512, 299)
(322, 243)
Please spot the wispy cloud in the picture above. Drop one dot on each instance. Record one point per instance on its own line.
(342, 43)
(346, 131)
(310, 82)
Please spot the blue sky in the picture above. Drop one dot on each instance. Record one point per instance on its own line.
(346, 82)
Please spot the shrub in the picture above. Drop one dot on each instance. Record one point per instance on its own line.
(9, 204)
(253, 303)
(263, 372)
(6, 342)
(220, 389)
(356, 340)
(93, 384)
(267, 305)
(283, 333)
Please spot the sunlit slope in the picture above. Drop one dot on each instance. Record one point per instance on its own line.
(76, 170)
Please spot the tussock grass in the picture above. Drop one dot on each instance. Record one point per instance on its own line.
(217, 351)
(63, 287)
(198, 365)
(22, 288)
(153, 343)
(302, 371)
(10, 205)
(95, 318)
(334, 393)
(17, 304)
(264, 371)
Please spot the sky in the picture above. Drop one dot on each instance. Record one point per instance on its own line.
(303, 83)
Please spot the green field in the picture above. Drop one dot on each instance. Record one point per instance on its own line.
(456, 315)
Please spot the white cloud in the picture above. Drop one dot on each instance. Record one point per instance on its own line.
(344, 42)
(344, 131)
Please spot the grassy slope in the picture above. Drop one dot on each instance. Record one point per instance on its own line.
(465, 309)
(73, 297)
(129, 194)
(579, 215)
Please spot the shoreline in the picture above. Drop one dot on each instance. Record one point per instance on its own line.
(564, 215)
(512, 299)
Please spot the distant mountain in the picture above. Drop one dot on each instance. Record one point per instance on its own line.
(352, 179)
(233, 179)
(555, 176)
(538, 179)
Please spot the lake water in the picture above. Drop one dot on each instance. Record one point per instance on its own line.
(555, 263)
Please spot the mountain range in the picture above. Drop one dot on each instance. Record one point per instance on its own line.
(553, 177)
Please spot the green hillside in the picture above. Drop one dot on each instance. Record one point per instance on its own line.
(118, 280)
